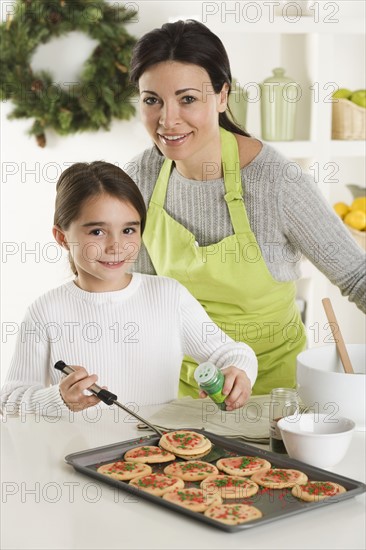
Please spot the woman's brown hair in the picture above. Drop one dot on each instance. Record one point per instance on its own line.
(83, 180)
(187, 42)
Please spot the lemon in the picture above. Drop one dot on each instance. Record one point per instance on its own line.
(341, 209)
(356, 219)
(359, 204)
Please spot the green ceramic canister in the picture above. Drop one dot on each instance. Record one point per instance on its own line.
(279, 98)
(211, 380)
(238, 103)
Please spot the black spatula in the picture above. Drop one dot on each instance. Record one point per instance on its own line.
(110, 398)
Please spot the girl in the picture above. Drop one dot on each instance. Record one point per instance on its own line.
(130, 330)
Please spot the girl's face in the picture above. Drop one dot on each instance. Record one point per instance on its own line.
(180, 110)
(103, 242)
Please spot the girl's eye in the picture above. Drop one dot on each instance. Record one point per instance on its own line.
(188, 99)
(96, 232)
(150, 100)
(129, 231)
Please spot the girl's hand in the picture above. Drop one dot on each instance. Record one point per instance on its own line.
(237, 387)
(72, 389)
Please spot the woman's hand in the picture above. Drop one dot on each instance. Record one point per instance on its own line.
(237, 387)
(72, 389)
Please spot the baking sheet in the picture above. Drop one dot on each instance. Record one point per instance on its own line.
(274, 504)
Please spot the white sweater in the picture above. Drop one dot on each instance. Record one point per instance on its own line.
(133, 339)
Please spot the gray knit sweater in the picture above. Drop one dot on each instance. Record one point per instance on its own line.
(287, 213)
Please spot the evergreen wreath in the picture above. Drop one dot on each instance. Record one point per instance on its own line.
(102, 91)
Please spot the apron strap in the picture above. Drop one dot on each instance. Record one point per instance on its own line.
(161, 185)
(233, 185)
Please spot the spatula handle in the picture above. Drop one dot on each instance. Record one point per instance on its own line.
(107, 397)
(104, 395)
(337, 335)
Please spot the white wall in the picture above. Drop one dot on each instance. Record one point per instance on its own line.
(30, 262)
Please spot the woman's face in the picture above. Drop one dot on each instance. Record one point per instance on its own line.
(103, 241)
(180, 110)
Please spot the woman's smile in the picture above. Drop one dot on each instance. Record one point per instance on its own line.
(174, 140)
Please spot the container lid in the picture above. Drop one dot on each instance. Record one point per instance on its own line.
(278, 77)
(204, 373)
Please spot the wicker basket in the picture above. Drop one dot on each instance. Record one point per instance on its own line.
(359, 236)
(348, 120)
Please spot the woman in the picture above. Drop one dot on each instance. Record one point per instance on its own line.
(228, 216)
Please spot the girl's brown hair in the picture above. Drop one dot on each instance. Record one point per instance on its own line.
(187, 42)
(83, 180)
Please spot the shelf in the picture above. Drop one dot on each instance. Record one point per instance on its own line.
(294, 149)
(345, 148)
(309, 149)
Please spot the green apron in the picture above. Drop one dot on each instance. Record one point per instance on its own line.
(231, 281)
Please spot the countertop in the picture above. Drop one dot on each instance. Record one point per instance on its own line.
(47, 504)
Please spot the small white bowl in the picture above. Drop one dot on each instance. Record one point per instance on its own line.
(317, 439)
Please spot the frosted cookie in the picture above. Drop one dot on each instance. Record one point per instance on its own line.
(193, 470)
(193, 457)
(279, 478)
(157, 484)
(229, 486)
(242, 465)
(185, 443)
(124, 470)
(148, 454)
(194, 499)
(233, 514)
(317, 490)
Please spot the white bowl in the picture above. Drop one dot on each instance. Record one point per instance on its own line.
(324, 387)
(316, 438)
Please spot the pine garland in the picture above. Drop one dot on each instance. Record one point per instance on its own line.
(102, 91)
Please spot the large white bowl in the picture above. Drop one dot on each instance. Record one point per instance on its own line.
(315, 438)
(326, 388)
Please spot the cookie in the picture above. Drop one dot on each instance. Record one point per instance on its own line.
(313, 491)
(193, 470)
(194, 499)
(124, 471)
(229, 486)
(242, 465)
(185, 443)
(279, 478)
(157, 484)
(233, 514)
(149, 454)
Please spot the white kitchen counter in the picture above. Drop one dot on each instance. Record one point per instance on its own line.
(47, 504)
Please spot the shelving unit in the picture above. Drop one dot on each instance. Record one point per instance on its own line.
(347, 149)
(315, 55)
(326, 47)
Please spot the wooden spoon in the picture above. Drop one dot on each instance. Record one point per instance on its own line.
(337, 335)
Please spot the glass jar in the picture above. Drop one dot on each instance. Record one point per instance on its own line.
(279, 97)
(211, 380)
(284, 402)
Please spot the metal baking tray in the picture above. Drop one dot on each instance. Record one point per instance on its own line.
(274, 504)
